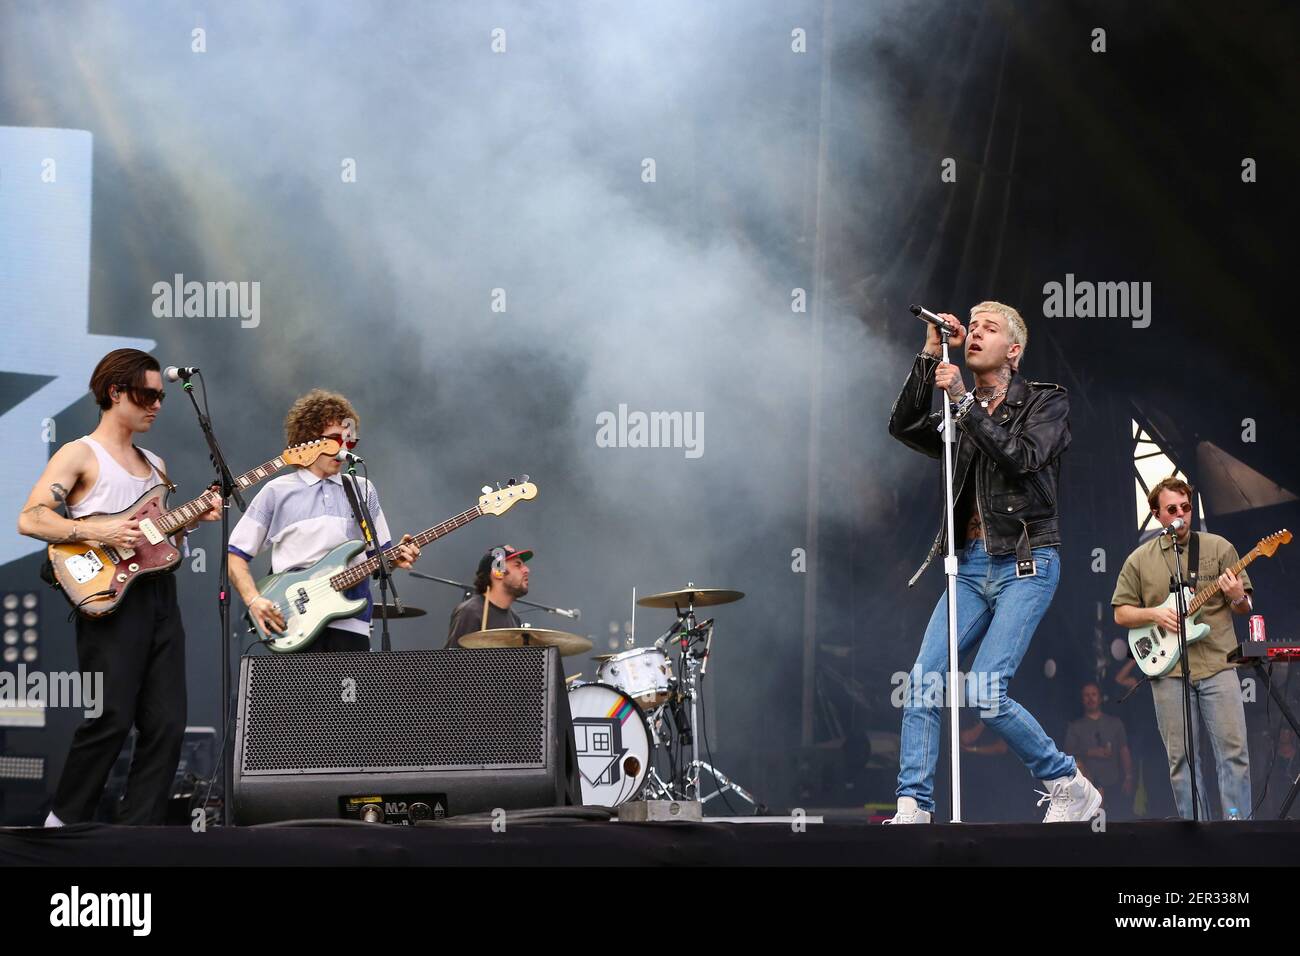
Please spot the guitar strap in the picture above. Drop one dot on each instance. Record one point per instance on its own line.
(1193, 560)
(158, 468)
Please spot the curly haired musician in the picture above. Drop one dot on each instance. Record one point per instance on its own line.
(1010, 435)
(139, 647)
(303, 515)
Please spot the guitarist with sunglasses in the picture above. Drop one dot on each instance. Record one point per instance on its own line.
(304, 515)
(1141, 597)
(140, 647)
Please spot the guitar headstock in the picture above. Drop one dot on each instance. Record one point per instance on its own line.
(306, 453)
(1270, 544)
(501, 500)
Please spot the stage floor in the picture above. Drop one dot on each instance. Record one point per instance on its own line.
(831, 842)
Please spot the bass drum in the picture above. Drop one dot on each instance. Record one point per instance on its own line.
(613, 744)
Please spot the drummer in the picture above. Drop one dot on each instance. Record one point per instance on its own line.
(502, 577)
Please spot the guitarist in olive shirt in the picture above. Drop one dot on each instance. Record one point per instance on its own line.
(502, 577)
(1142, 588)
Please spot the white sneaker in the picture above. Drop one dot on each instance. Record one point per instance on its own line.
(909, 812)
(1070, 799)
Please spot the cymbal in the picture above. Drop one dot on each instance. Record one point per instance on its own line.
(568, 644)
(700, 597)
(602, 657)
(394, 614)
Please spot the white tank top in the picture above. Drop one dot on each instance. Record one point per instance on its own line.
(116, 488)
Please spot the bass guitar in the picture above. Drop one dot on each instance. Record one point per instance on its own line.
(311, 597)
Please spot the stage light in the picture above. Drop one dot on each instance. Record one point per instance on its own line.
(22, 620)
(22, 768)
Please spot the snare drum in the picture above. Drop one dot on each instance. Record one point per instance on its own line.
(644, 673)
(613, 744)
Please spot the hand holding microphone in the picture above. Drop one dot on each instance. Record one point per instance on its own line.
(933, 342)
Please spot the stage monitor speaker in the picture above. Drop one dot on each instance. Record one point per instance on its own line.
(403, 736)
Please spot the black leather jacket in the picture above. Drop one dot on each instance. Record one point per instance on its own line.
(1016, 453)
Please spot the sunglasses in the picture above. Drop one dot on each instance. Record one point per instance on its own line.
(1185, 508)
(144, 397)
(348, 443)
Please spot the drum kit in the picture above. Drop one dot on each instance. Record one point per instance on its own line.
(642, 711)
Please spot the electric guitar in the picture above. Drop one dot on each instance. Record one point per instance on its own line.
(1156, 650)
(311, 597)
(96, 577)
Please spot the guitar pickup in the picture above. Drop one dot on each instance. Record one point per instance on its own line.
(151, 532)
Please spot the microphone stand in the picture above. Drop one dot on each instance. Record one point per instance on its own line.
(950, 573)
(571, 614)
(228, 490)
(1176, 585)
(361, 511)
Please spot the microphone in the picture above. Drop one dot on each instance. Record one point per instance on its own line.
(667, 635)
(573, 614)
(925, 315)
(175, 374)
(344, 455)
(1174, 527)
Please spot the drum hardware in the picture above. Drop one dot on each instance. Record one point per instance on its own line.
(693, 641)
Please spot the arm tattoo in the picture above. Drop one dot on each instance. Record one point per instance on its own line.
(60, 493)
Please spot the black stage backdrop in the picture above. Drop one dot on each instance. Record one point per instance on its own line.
(496, 226)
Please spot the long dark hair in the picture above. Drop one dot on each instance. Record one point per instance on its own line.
(124, 368)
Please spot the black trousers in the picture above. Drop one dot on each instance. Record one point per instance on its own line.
(140, 650)
(335, 639)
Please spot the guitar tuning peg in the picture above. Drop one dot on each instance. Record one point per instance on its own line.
(487, 489)
(523, 479)
(498, 486)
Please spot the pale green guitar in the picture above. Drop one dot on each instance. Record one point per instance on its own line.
(312, 597)
(1156, 650)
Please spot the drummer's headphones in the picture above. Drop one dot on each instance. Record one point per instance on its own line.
(498, 562)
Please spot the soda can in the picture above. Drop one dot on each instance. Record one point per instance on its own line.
(1257, 627)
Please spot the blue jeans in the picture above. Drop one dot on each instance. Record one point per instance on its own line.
(1002, 611)
(1218, 707)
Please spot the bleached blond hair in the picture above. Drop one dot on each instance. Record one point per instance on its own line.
(1017, 331)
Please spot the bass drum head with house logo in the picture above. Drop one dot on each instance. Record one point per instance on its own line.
(613, 744)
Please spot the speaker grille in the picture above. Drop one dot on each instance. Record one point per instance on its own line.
(409, 710)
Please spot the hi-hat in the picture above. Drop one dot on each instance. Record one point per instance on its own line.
(568, 644)
(394, 614)
(700, 597)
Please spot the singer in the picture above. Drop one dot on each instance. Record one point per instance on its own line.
(502, 576)
(1140, 594)
(1010, 438)
(305, 515)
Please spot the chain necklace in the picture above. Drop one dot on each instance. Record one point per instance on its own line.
(992, 394)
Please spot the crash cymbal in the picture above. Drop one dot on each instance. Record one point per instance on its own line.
(568, 644)
(394, 614)
(700, 597)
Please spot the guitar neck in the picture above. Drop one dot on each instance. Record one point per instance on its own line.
(358, 573)
(178, 518)
(1202, 596)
